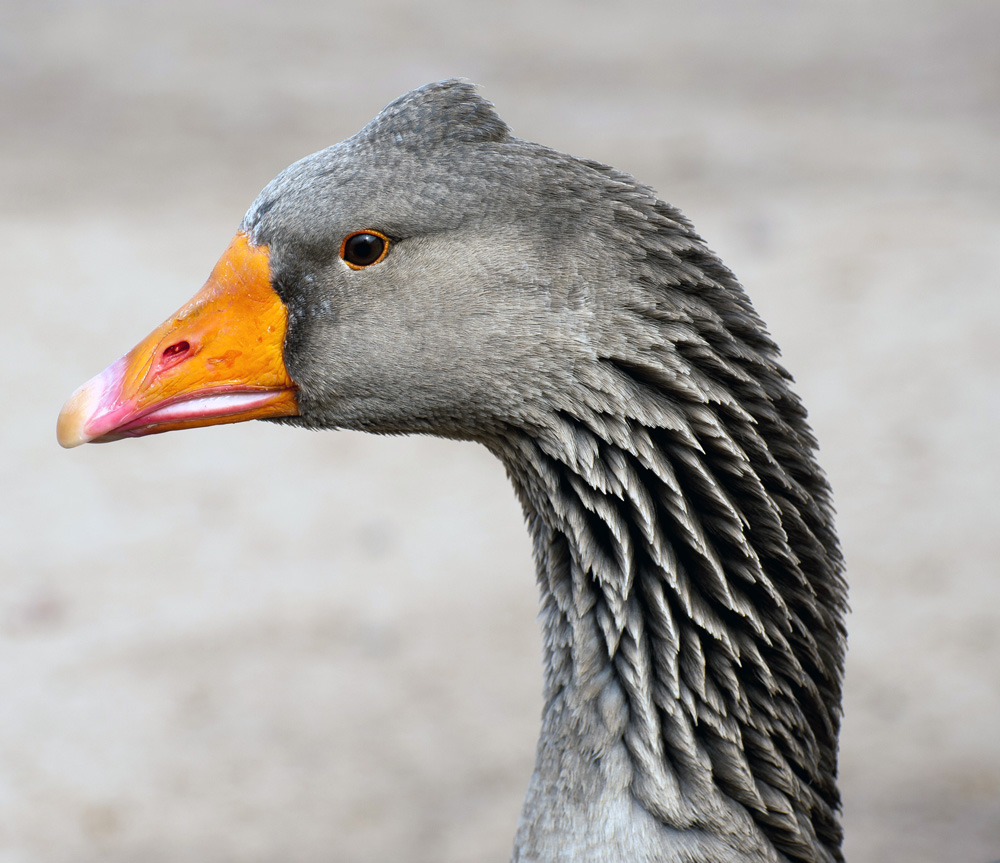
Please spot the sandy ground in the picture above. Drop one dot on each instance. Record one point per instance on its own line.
(254, 645)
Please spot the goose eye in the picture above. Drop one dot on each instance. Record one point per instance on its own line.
(364, 248)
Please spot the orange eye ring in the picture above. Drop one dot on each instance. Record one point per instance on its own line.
(361, 249)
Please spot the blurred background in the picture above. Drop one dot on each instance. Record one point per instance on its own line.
(254, 644)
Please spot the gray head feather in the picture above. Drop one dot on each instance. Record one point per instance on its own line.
(692, 592)
(439, 113)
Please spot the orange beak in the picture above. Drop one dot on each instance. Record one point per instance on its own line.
(219, 359)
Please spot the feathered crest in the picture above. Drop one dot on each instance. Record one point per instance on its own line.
(436, 113)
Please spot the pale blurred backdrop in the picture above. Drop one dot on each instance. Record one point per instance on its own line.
(250, 644)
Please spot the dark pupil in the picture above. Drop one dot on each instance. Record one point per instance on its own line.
(363, 249)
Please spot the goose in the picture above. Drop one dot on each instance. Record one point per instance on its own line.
(436, 274)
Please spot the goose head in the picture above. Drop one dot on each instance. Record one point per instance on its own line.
(431, 274)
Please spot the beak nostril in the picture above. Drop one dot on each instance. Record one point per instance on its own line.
(173, 354)
(176, 350)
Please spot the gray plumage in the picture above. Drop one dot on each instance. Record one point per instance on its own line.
(692, 596)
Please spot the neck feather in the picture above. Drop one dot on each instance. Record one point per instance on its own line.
(692, 600)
